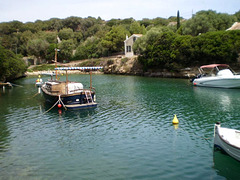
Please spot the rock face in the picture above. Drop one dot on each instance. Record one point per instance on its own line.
(131, 66)
(123, 65)
(128, 66)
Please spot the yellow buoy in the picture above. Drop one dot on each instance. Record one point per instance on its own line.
(175, 120)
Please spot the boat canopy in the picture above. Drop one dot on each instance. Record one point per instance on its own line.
(214, 65)
(79, 68)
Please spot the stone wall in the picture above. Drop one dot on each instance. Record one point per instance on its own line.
(131, 66)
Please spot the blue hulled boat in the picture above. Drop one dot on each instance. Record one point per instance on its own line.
(70, 94)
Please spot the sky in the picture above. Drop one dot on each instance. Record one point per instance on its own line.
(32, 10)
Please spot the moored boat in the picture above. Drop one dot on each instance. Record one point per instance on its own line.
(228, 140)
(217, 75)
(48, 73)
(70, 94)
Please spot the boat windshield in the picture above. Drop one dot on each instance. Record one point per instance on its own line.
(213, 69)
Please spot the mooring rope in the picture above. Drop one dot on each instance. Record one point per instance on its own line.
(33, 96)
(59, 100)
(51, 107)
(14, 84)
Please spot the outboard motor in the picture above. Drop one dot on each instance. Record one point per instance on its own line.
(196, 77)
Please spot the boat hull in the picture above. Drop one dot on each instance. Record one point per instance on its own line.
(224, 144)
(218, 82)
(82, 106)
(71, 101)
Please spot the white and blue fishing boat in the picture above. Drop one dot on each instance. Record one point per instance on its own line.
(70, 95)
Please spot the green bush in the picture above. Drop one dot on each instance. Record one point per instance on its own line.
(93, 62)
(169, 50)
(11, 65)
(124, 60)
(43, 67)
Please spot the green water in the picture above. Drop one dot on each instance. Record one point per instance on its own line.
(128, 136)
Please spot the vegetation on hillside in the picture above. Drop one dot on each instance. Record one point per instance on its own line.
(173, 51)
(11, 65)
(201, 39)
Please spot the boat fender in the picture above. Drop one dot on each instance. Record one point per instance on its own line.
(59, 105)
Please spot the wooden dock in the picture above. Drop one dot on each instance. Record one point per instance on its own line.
(6, 84)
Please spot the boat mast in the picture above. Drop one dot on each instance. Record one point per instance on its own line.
(56, 62)
(67, 81)
(90, 80)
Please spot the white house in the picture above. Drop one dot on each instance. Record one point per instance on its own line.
(235, 26)
(128, 44)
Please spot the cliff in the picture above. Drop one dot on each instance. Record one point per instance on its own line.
(131, 66)
(127, 66)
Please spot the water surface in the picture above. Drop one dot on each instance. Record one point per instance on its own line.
(128, 136)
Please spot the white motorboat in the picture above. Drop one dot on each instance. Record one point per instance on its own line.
(228, 140)
(217, 75)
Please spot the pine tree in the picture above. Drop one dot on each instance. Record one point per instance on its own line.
(178, 20)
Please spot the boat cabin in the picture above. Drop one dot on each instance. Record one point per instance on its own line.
(61, 87)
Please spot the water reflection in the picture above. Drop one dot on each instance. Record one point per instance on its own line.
(44, 108)
(4, 131)
(225, 165)
(224, 98)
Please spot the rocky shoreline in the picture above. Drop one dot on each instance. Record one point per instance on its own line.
(124, 66)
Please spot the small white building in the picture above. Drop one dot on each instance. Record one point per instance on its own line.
(235, 26)
(128, 44)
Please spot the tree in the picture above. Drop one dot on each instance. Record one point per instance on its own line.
(136, 28)
(182, 51)
(66, 33)
(38, 48)
(55, 24)
(88, 49)
(66, 49)
(72, 23)
(165, 49)
(217, 47)
(155, 48)
(51, 37)
(237, 15)
(206, 21)
(11, 65)
(178, 20)
(113, 41)
(24, 37)
(50, 56)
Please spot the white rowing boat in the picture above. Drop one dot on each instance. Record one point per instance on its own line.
(228, 140)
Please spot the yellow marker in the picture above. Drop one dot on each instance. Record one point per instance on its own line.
(175, 120)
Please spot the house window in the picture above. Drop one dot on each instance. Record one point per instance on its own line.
(129, 49)
(134, 39)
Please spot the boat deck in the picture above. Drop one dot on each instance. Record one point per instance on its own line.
(231, 136)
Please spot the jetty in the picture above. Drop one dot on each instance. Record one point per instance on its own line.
(6, 84)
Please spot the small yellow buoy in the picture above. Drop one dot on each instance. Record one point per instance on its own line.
(175, 120)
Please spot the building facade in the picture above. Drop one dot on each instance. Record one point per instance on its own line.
(128, 44)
